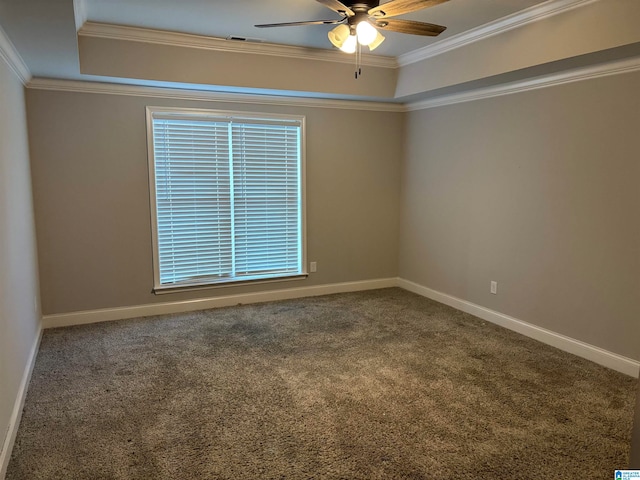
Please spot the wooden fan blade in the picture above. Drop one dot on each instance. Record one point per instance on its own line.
(337, 6)
(400, 7)
(409, 26)
(297, 24)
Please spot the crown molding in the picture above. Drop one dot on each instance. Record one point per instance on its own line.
(586, 73)
(515, 20)
(11, 56)
(162, 37)
(207, 96)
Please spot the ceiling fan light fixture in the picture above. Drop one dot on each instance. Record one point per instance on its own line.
(360, 21)
(339, 35)
(367, 34)
(376, 43)
(349, 45)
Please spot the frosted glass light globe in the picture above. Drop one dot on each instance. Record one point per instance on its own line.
(349, 45)
(366, 33)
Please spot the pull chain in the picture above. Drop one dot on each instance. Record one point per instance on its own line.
(358, 73)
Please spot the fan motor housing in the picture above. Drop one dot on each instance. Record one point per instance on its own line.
(362, 6)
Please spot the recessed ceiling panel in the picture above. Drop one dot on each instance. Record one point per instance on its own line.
(222, 19)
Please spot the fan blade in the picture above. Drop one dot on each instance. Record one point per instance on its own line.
(297, 24)
(400, 7)
(409, 26)
(337, 6)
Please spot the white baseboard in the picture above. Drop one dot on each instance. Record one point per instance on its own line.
(598, 355)
(576, 347)
(121, 313)
(16, 415)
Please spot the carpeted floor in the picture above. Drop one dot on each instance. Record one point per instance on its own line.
(374, 385)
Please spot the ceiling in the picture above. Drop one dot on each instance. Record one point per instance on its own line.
(44, 31)
(218, 18)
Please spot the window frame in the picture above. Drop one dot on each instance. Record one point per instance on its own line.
(226, 115)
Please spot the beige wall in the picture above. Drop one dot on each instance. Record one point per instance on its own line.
(89, 161)
(538, 191)
(19, 302)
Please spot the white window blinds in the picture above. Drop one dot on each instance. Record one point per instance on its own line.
(227, 193)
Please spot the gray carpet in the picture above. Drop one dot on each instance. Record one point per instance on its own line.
(374, 385)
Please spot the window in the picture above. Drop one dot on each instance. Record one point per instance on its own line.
(226, 197)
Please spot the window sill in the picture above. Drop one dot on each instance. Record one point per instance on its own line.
(165, 289)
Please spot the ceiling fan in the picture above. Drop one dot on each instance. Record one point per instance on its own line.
(362, 19)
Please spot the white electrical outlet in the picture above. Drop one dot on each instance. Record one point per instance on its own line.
(313, 267)
(494, 287)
